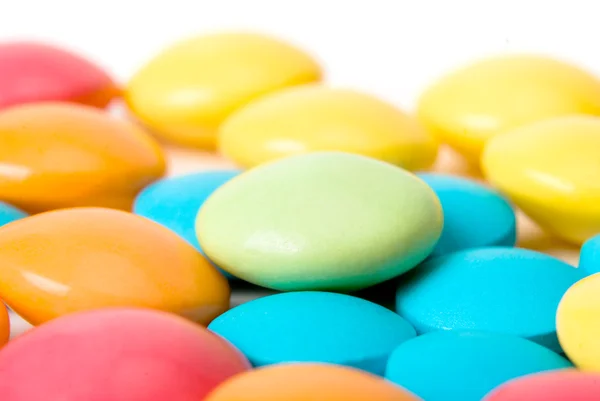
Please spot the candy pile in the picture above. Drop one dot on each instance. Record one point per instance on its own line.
(386, 279)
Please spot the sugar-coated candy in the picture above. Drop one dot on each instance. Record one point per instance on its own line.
(455, 365)
(589, 256)
(69, 260)
(9, 213)
(313, 326)
(38, 72)
(550, 169)
(496, 289)
(321, 221)
(58, 155)
(473, 104)
(308, 381)
(187, 90)
(4, 325)
(316, 118)
(475, 215)
(115, 355)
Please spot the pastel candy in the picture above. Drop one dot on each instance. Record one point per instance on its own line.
(549, 170)
(504, 290)
(474, 214)
(322, 221)
(314, 327)
(316, 118)
(114, 355)
(454, 365)
(589, 256)
(9, 213)
(4, 325)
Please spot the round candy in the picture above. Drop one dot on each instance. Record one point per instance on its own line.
(589, 256)
(504, 290)
(306, 381)
(549, 170)
(4, 325)
(473, 104)
(187, 90)
(115, 355)
(561, 385)
(474, 215)
(314, 327)
(37, 72)
(87, 258)
(313, 118)
(58, 155)
(454, 365)
(321, 221)
(9, 213)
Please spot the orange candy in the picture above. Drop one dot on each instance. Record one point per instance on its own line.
(308, 381)
(4, 325)
(56, 155)
(64, 261)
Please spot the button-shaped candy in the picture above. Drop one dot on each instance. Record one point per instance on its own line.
(86, 258)
(57, 155)
(550, 169)
(315, 118)
(9, 213)
(187, 90)
(4, 325)
(474, 103)
(589, 256)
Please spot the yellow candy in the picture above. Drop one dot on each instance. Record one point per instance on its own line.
(550, 169)
(578, 323)
(475, 103)
(314, 118)
(185, 92)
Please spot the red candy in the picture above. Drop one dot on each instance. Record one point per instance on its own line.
(116, 355)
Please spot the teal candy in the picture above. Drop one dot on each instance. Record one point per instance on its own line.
(505, 290)
(465, 366)
(589, 257)
(313, 326)
(9, 213)
(474, 214)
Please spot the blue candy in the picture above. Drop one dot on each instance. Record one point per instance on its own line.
(589, 257)
(9, 213)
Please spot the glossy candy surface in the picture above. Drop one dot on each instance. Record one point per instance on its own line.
(474, 214)
(589, 256)
(85, 258)
(314, 327)
(9, 213)
(504, 290)
(473, 104)
(4, 325)
(451, 365)
(116, 355)
(186, 91)
(315, 118)
(550, 169)
(323, 221)
(61, 155)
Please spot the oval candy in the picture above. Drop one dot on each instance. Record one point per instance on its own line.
(314, 118)
(321, 221)
(87, 258)
(9, 213)
(4, 325)
(314, 327)
(589, 256)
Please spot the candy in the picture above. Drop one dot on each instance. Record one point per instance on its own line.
(61, 155)
(550, 169)
(115, 355)
(562, 385)
(503, 290)
(77, 259)
(314, 327)
(186, 91)
(313, 118)
(37, 72)
(473, 104)
(4, 325)
(474, 215)
(589, 256)
(9, 213)
(305, 381)
(322, 221)
(452, 365)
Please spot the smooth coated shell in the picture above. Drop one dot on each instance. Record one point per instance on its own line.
(315, 118)
(322, 221)
(9, 213)
(550, 170)
(70, 260)
(314, 327)
(589, 256)
(4, 325)
(186, 91)
(116, 355)
(57, 155)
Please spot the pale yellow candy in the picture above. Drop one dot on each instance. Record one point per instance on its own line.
(316, 118)
(551, 170)
(475, 103)
(186, 91)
